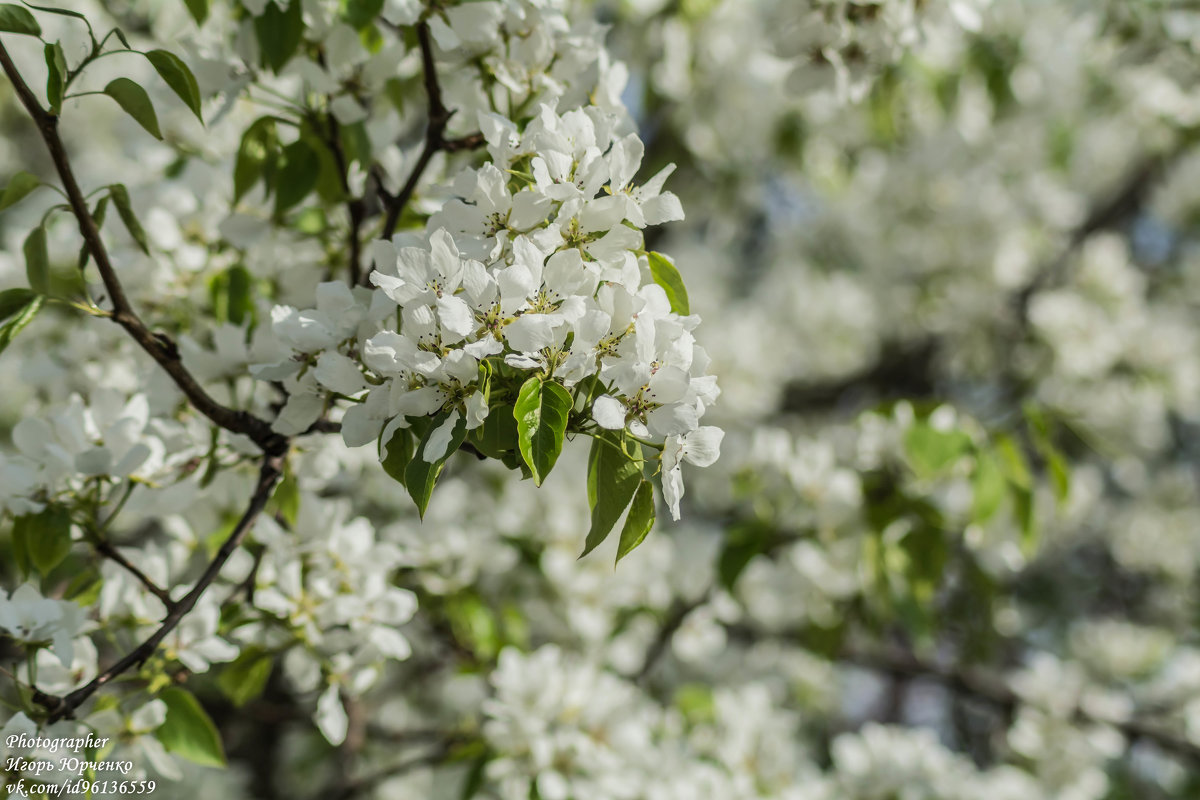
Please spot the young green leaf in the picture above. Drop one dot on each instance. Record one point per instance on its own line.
(498, 433)
(136, 102)
(639, 521)
(198, 9)
(15, 19)
(613, 478)
(10, 329)
(297, 176)
(279, 33)
(666, 275)
(930, 450)
(188, 731)
(56, 76)
(120, 197)
(37, 260)
(420, 476)
(988, 486)
(541, 414)
(21, 184)
(286, 498)
(245, 678)
(48, 538)
(176, 74)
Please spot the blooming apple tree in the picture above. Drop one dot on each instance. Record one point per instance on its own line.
(347, 344)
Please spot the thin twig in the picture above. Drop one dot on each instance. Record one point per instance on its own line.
(994, 690)
(64, 707)
(435, 137)
(160, 347)
(106, 548)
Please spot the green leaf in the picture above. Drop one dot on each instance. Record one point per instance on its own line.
(37, 260)
(279, 33)
(13, 300)
(188, 731)
(21, 184)
(198, 9)
(98, 213)
(399, 453)
(988, 486)
(60, 11)
(297, 176)
(667, 276)
(246, 677)
(48, 538)
(136, 102)
(176, 74)
(497, 436)
(56, 76)
(15, 19)
(1060, 474)
(258, 149)
(120, 196)
(287, 498)
(1013, 462)
(232, 294)
(541, 414)
(930, 451)
(639, 521)
(14, 326)
(420, 476)
(613, 478)
(361, 13)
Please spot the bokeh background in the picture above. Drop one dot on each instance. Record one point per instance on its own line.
(945, 256)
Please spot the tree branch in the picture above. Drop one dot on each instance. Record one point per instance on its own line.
(435, 137)
(994, 690)
(106, 548)
(160, 347)
(64, 707)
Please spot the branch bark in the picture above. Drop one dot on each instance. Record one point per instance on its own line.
(64, 707)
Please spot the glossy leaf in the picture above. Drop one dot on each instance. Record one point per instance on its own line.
(639, 520)
(613, 478)
(666, 275)
(541, 413)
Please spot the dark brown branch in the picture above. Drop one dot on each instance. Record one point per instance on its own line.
(160, 347)
(64, 707)
(435, 137)
(106, 548)
(994, 690)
